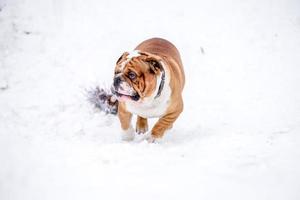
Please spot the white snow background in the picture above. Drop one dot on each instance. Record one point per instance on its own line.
(238, 137)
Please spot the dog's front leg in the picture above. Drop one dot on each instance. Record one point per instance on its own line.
(125, 120)
(164, 123)
(141, 125)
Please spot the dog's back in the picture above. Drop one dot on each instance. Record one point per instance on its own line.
(165, 48)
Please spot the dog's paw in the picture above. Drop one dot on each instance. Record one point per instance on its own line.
(152, 139)
(141, 130)
(128, 135)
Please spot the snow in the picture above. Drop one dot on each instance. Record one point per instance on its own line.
(239, 134)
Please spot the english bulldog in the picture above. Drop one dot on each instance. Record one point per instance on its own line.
(148, 82)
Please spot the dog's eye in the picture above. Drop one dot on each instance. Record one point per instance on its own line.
(132, 75)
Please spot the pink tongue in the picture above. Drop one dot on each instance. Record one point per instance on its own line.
(124, 98)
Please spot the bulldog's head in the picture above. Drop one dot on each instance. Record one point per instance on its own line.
(137, 75)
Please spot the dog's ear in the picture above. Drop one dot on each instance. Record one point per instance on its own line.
(121, 57)
(154, 65)
(153, 61)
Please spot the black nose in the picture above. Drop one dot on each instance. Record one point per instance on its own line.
(117, 81)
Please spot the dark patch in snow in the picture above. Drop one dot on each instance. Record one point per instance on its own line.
(3, 86)
(202, 50)
(103, 99)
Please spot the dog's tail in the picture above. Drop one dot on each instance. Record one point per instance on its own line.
(103, 99)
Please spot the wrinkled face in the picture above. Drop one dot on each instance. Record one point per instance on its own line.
(136, 76)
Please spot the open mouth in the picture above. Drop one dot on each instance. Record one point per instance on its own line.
(123, 97)
(122, 94)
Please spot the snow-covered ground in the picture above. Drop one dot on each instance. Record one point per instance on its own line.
(239, 135)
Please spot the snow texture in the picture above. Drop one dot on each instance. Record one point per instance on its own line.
(239, 134)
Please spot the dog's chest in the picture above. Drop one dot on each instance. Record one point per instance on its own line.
(151, 107)
(154, 109)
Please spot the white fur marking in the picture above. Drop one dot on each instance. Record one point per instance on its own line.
(128, 134)
(133, 54)
(126, 89)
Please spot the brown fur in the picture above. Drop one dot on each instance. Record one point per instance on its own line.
(141, 125)
(159, 49)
